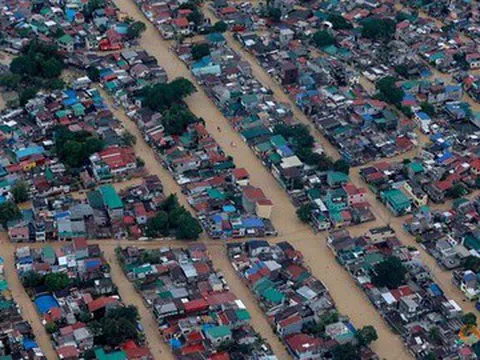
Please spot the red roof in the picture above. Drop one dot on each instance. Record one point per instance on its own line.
(80, 243)
(240, 173)
(100, 303)
(117, 157)
(220, 356)
(192, 349)
(300, 343)
(219, 298)
(196, 305)
(254, 193)
(67, 352)
(180, 22)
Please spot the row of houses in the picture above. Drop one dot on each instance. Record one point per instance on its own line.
(270, 129)
(101, 212)
(297, 305)
(197, 314)
(71, 25)
(412, 303)
(74, 295)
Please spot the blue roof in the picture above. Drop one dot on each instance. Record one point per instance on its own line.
(444, 157)
(253, 223)
(175, 343)
(286, 151)
(105, 72)
(205, 61)
(32, 150)
(62, 214)
(435, 289)
(423, 116)
(229, 208)
(45, 303)
(70, 13)
(92, 263)
(29, 344)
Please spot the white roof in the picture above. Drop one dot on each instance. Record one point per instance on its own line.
(291, 161)
(389, 298)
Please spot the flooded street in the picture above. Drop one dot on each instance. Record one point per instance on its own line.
(27, 307)
(129, 295)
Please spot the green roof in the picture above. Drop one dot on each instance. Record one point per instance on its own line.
(416, 167)
(243, 314)
(273, 295)
(100, 354)
(216, 194)
(95, 199)
(66, 39)
(278, 140)
(48, 252)
(337, 177)
(110, 197)
(218, 331)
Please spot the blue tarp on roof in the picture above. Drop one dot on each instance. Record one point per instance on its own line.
(45, 303)
(25, 260)
(32, 150)
(435, 289)
(29, 344)
(444, 157)
(92, 263)
(175, 343)
(62, 215)
(70, 13)
(105, 72)
(423, 116)
(229, 208)
(253, 223)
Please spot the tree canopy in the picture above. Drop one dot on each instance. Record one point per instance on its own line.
(200, 50)
(390, 273)
(339, 22)
(388, 90)
(9, 211)
(57, 281)
(376, 28)
(173, 218)
(135, 29)
(220, 26)
(160, 97)
(323, 38)
(117, 326)
(74, 148)
(366, 335)
(304, 213)
(20, 192)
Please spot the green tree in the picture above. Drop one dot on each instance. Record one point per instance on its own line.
(57, 281)
(75, 148)
(20, 192)
(339, 22)
(11, 81)
(346, 352)
(342, 166)
(388, 90)
(471, 263)
(200, 50)
(188, 227)
(220, 26)
(158, 225)
(196, 17)
(390, 273)
(27, 94)
(434, 334)
(161, 97)
(376, 28)
(402, 70)
(366, 335)
(304, 213)
(51, 327)
(9, 211)
(93, 73)
(275, 14)
(427, 108)
(323, 38)
(32, 279)
(457, 191)
(469, 319)
(129, 139)
(135, 29)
